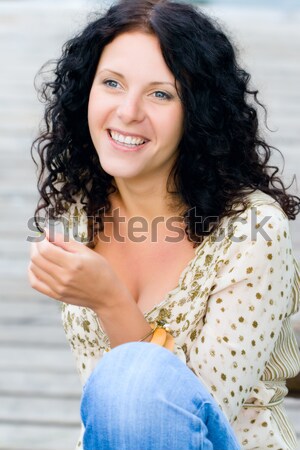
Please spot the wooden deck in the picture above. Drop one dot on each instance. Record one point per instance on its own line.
(39, 387)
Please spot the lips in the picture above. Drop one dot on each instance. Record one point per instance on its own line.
(123, 147)
(126, 134)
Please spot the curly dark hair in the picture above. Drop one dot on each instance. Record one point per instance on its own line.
(221, 153)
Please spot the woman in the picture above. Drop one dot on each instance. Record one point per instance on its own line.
(152, 155)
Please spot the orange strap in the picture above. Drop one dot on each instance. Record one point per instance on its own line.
(163, 338)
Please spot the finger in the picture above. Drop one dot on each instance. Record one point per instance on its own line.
(46, 279)
(53, 253)
(45, 265)
(41, 287)
(69, 245)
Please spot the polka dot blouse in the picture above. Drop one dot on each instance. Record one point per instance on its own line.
(230, 318)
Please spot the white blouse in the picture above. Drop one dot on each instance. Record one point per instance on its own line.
(230, 318)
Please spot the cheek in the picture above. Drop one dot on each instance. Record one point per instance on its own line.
(99, 111)
(94, 108)
(172, 126)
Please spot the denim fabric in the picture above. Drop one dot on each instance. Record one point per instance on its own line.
(142, 397)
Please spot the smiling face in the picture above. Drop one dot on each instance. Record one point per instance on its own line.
(135, 115)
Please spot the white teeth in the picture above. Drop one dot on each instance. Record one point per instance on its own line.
(128, 140)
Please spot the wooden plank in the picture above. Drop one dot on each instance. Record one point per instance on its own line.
(40, 411)
(40, 384)
(32, 437)
(22, 335)
(41, 308)
(58, 359)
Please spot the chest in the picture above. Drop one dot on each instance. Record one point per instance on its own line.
(148, 270)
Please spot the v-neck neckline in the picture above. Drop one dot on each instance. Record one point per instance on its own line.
(170, 293)
(182, 275)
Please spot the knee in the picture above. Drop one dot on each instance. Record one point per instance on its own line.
(139, 374)
(127, 370)
(141, 380)
(123, 386)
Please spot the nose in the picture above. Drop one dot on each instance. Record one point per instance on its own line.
(131, 109)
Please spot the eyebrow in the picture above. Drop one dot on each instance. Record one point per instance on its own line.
(153, 83)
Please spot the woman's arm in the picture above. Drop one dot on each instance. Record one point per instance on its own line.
(72, 273)
(124, 323)
(249, 302)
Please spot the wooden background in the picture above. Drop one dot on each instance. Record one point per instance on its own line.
(39, 387)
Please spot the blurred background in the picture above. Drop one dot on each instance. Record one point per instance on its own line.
(39, 386)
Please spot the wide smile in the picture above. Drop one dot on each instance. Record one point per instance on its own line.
(126, 142)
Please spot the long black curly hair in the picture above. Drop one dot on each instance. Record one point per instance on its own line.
(221, 152)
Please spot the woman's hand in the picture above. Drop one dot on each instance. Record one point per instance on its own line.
(75, 274)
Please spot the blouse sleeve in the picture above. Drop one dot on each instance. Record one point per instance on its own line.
(248, 303)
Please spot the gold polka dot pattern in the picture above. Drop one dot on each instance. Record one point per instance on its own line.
(230, 318)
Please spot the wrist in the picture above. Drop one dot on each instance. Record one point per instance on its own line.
(123, 321)
(116, 300)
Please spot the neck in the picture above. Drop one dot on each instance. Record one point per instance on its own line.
(146, 200)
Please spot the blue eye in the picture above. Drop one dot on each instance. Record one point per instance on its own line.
(162, 95)
(111, 83)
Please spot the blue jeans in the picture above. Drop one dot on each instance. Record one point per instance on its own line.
(142, 397)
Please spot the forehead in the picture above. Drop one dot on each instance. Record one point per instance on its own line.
(136, 53)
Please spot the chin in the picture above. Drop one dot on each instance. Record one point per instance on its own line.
(118, 172)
